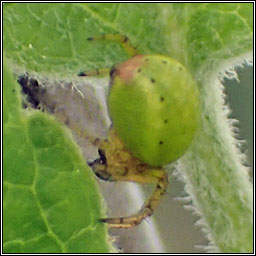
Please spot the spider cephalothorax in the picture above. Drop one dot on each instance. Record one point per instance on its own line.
(116, 163)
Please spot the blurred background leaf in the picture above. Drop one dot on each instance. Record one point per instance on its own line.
(51, 202)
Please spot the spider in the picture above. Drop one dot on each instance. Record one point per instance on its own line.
(136, 150)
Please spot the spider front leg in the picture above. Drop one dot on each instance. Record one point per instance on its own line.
(157, 176)
(116, 37)
(119, 38)
(97, 72)
(116, 163)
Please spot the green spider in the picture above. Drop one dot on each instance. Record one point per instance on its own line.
(154, 106)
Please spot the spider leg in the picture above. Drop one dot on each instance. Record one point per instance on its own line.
(116, 37)
(157, 176)
(119, 38)
(97, 72)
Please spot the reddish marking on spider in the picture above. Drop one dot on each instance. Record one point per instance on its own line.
(126, 69)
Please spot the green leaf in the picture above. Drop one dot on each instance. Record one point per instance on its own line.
(60, 31)
(210, 39)
(51, 201)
